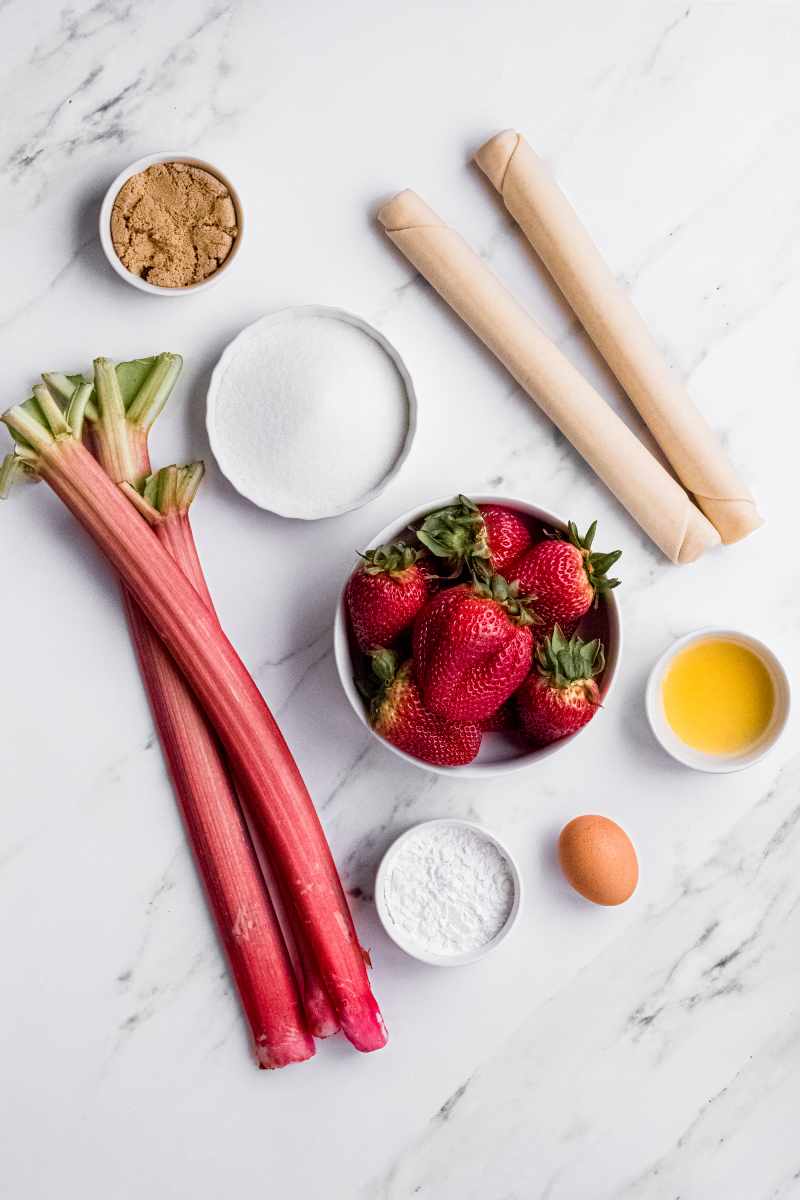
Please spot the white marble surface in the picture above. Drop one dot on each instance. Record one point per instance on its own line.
(648, 1052)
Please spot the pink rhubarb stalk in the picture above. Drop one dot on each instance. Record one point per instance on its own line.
(166, 492)
(271, 784)
(123, 411)
(226, 858)
(216, 830)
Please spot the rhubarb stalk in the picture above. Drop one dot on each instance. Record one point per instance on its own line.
(225, 858)
(169, 492)
(220, 840)
(216, 830)
(262, 763)
(127, 400)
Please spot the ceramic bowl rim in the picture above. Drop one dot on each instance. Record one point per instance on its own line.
(104, 223)
(408, 946)
(698, 760)
(349, 318)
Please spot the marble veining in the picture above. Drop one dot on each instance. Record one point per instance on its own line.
(650, 1052)
(709, 954)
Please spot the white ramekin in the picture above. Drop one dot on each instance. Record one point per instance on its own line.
(411, 947)
(116, 262)
(285, 316)
(498, 755)
(668, 739)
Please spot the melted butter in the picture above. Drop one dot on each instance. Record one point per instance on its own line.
(718, 697)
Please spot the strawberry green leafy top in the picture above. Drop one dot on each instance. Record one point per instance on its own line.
(457, 533)
(566, 662)
(596, 565)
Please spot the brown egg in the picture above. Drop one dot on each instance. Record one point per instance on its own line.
(598, 859)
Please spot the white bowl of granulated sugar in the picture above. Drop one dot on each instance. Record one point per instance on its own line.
(311, 412)
(448, 892)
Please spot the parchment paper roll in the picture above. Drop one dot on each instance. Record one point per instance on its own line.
(649, 493)
(604, 308)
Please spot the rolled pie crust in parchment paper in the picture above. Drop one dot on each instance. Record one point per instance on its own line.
(604, 308)
(652, 497)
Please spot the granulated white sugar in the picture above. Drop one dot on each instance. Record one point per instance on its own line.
(450, 889)
(310, 415)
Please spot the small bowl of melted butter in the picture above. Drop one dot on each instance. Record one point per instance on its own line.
(718, 700)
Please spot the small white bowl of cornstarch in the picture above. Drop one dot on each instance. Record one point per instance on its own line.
(448, 892)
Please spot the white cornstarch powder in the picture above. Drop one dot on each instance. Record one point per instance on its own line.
(310, 414)
(450, 889)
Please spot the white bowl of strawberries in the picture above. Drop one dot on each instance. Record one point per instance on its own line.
(475, 636)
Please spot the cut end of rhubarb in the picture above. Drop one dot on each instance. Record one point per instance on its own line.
(172, 489)
(320, 1017)
(13, 468)
(272, 1055)
(364, 1027)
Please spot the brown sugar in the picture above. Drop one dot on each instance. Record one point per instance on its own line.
(173, 224)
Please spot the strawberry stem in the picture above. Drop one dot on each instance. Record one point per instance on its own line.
(596, 565)
(391, 559)
(567, 661)
(457, 534)
(519, 608)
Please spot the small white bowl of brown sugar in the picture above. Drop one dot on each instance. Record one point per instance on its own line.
(171, 224)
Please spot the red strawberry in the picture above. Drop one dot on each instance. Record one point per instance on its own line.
(564, 576)
(560, 696)
(502, 721)
(487, 537)
(508, 535)
(385, 593)
(398, 714)
(473, 646)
